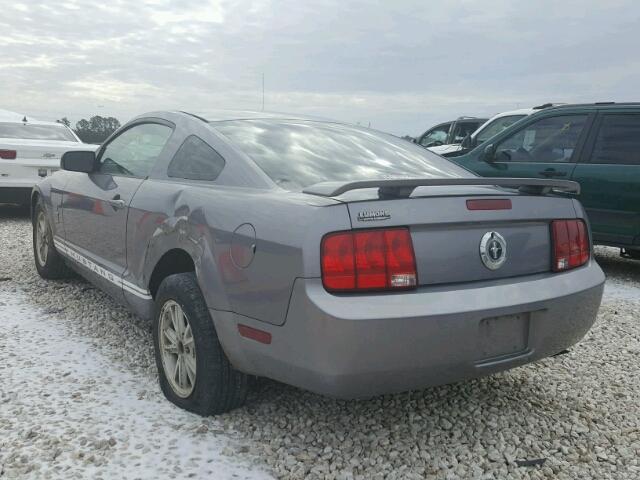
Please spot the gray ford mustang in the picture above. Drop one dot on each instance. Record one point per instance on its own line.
(327, 256)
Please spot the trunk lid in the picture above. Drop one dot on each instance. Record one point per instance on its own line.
(47, 150)
(446, 234)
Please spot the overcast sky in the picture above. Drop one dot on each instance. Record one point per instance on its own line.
(400, 66)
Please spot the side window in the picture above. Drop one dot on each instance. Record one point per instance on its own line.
(463, 129)
(618, 140)
(135, 151)
(196, 160)
(550, 140)
(436, 136)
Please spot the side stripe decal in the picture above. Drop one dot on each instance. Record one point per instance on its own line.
(67, 249)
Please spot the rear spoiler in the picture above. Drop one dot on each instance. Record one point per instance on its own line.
(403, 187)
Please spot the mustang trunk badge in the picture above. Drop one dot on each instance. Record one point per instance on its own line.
(493, 250)
(373, 215)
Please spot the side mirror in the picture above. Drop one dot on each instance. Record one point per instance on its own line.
(467, 141)
(79, 161)
(489, 154)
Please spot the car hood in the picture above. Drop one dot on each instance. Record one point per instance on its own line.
(442, 149)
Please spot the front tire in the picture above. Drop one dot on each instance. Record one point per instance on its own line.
(49, 262)
(194, 372)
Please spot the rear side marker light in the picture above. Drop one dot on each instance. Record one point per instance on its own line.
(254, 334)
(8, 154)
(489, 204)
(367, 260)
(571, 247)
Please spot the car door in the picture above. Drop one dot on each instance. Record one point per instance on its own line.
(546, 148)
(95, 205)
(435, 136)
(610, 179)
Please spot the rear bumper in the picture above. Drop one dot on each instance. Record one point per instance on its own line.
(19, 195)
(358, 346)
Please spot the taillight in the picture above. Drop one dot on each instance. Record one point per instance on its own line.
(570, 244)
(368, 260)
(8, 154)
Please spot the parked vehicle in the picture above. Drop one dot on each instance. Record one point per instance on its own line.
(449, 132)
(327, 256)
(29, 151)
(597, 145)
(491, 127)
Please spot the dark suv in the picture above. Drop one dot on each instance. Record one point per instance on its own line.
(597, 145)
(449, 132)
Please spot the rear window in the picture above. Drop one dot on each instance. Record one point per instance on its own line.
(36, 132)
(297, 154)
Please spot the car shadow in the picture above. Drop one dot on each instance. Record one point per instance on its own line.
(11, 212)
(616, 267)
(436, 416)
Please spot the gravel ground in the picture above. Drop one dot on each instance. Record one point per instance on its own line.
(573, 416)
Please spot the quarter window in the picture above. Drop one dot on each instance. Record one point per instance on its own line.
(618, 140)
(134, 152)
(550, 140)
(196, 160)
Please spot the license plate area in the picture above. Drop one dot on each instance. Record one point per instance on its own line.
(504, 336)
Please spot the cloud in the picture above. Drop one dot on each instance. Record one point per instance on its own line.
(208, 13)
(400, 66)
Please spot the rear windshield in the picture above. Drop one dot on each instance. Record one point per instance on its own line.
(36, 132)
(296, 154)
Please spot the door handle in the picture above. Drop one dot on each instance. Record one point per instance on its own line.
(552, 172)
(117, 203)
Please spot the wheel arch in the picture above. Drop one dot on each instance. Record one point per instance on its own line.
(35, 196)
(173, 261)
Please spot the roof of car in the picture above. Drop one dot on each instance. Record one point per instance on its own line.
(7, 116)
(225, 115)
(519, 111)
(570, 106)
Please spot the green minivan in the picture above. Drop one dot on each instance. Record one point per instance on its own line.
(597, 145)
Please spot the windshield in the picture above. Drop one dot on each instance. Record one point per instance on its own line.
(496, 126)
(296, 154)
(36, 132)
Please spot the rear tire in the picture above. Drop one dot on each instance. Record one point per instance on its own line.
(49, 262)
(194, 372)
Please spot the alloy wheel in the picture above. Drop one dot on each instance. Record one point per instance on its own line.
(43, 239)
(177, 348)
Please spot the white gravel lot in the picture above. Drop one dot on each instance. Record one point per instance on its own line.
(79, 399)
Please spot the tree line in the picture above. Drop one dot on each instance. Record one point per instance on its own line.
(94, 130)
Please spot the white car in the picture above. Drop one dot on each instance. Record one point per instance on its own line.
(29, 151)
(491, 127)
